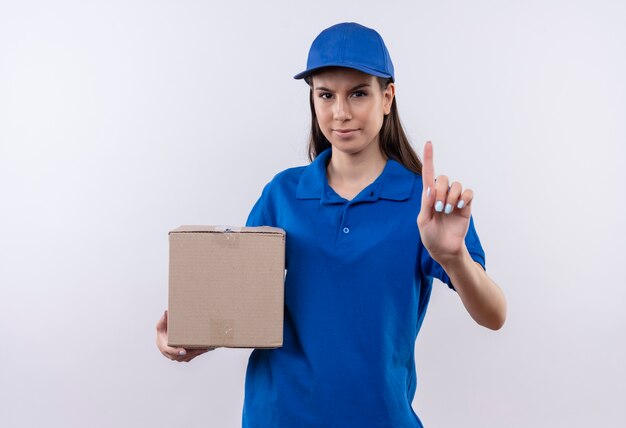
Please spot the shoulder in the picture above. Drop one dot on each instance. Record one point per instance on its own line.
(284, 182)
(287, 178)
(274, 194)
(288, 175)
(419, 184)
(401, 183)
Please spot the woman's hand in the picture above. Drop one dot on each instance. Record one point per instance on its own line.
(443, 226)
(445, 214)
(176, 354)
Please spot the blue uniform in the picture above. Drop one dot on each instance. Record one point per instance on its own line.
(356, 291)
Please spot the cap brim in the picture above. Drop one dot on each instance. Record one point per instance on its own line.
(359, 67)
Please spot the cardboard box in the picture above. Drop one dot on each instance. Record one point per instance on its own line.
(226, 287)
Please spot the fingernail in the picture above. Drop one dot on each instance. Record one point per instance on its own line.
(439, 206)
(448, 209)
(461, 204)
(428, 193)
(183, 352)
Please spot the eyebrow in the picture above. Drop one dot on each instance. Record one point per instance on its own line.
(359, 86)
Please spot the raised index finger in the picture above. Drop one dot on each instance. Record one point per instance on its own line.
(428, 168)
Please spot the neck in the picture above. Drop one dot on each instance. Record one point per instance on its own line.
(356, 168)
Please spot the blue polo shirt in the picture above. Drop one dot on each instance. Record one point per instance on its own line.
(356, 291)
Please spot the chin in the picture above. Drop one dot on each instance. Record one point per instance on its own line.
(346, 149)
(351, 148)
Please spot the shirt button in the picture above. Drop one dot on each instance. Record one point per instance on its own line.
(346, 230)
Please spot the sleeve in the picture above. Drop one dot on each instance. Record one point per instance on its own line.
(432, 268)
(258, 215)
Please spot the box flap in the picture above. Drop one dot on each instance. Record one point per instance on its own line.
(227, 229)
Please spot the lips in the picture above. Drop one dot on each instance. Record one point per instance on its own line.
(345, 132)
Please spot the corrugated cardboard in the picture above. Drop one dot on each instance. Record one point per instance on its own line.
(226, 287)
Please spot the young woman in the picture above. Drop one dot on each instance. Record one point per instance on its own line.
(368, 228)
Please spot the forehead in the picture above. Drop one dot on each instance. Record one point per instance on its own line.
(341, 76)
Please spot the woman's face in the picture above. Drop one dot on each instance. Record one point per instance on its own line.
(350, 107)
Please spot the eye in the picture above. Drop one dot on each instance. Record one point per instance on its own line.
(359, 94)
(325, 95)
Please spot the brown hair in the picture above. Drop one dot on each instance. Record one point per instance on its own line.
(393, 140)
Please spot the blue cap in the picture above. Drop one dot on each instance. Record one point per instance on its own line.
(349, 45)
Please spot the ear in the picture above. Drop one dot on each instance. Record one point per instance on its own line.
(388, 94)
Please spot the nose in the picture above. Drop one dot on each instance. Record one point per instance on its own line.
(341, 111)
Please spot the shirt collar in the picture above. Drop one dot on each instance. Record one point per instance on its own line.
(394, 183)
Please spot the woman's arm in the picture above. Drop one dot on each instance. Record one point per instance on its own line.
(480, 295)
(443, 223)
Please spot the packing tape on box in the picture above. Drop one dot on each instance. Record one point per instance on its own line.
(223, 228)
(230, 238)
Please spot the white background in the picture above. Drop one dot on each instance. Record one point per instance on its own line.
(122, 120)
